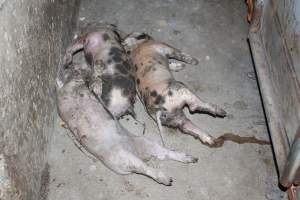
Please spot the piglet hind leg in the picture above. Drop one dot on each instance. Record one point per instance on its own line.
(177, 119)
(125, 163)
(141, 168)
(77, 45)
(148, 148)
(188, 127)
(194, 102)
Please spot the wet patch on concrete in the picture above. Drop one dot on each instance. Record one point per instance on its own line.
(170, 131)
(240, 105)
(268, 162)
(230, 116)
(129, 187)
(260, 122)
(138, 191)
(196, 86)
(238, 139)
(176, 32)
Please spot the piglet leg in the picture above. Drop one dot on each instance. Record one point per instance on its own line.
(190, 128)
(136, 165)
(174, 53)
(96, 87)
(194, 102)
(176, 66)
(96, 81)
(73, 48)
(160, 127)
(148, 148)
(122, 161)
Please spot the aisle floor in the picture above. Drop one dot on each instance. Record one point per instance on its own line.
(215, 32)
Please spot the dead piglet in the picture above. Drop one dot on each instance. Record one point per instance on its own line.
(163, 96)
(113, 77)
(105, 138)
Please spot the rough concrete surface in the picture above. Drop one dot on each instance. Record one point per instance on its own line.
(33, 34)
(214, 31)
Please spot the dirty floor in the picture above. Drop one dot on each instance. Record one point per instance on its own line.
(215, 32)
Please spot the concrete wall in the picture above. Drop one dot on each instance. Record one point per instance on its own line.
(33, 34)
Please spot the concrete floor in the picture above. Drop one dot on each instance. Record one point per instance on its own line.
(214, 31)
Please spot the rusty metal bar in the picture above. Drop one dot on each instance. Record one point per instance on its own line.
(292, 193)
(291, 173)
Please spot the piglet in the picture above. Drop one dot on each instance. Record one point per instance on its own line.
(97, 130)
(163, 96)
(113, 77)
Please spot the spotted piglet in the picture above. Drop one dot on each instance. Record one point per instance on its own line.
(163, 96)
(113, 77)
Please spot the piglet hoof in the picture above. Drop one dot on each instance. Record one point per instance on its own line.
(220, 112)
(190, 159)
(163, 179)
(169, 182)
(208, 140)
(217, 143)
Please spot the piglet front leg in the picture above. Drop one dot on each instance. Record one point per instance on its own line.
(96, 79)
(77, 45)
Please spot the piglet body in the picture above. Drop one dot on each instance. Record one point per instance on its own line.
(113, 77)
(163, 96)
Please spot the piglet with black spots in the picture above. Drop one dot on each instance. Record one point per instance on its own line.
(113, 79)
(163, 96)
